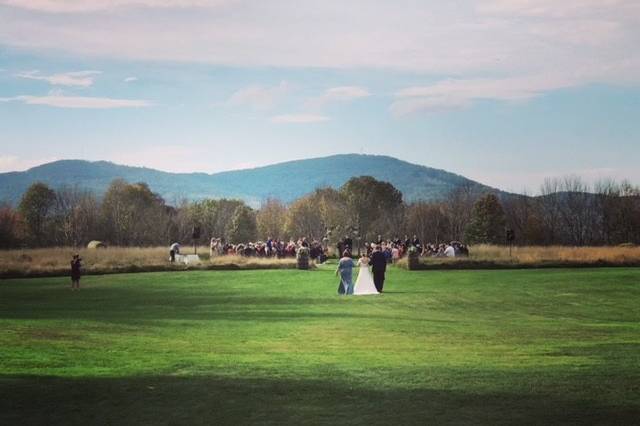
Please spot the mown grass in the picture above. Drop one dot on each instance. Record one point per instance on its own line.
(279, 347)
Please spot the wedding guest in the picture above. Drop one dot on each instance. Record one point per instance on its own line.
(173, 250)
(213, 247)
(450, 251)
(324, 255)
(345, 270)
(348, 243)
(75, 272)
(416, 242)
(387, 253)
(395, 254)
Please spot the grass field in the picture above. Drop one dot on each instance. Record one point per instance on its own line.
(279, 347)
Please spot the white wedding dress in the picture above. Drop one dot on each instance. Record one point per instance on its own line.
(364, 283)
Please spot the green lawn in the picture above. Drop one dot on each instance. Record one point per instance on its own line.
(273, 347)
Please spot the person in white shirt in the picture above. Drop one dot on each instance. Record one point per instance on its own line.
(173, 250)
(449, 251)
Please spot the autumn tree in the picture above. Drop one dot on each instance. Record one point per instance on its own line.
(36, 207)
(271, 219)
(10, 227)
(243, 226)
(375, 207)
(304, 219)
(134, 215)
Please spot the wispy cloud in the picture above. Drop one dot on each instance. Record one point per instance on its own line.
(80, 102)
(299, 118)
(584, 41)
(465, 38)
(75, 78)
(259, 97)
(130, 79)
(456, 94)
(338, 94)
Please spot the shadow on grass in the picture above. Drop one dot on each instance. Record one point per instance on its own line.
(29, 400)
(140, 304)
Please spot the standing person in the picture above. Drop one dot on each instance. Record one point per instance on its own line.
(378, 267)
(345, 269)
(213, 247)
(395, 253)
(75, 272)
(364, 283)
(269, 250)
(173, 250)
(348, 243)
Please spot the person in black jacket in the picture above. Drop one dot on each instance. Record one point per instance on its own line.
(75, 272)
(378, 264)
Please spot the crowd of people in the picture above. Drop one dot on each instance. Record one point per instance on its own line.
(272, 247)
(396, 248)
(393, 249)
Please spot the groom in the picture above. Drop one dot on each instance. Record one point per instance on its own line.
(378, 267)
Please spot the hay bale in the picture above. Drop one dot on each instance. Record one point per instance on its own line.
(96, 244)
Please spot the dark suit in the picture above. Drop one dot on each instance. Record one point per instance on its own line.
(378, 267)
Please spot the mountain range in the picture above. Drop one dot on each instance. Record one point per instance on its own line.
(285, 181)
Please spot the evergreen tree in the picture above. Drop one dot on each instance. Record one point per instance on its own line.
(487, 222)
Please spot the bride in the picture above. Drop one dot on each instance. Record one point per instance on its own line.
(364, 283)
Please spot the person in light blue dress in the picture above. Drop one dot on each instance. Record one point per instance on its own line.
(345, 269)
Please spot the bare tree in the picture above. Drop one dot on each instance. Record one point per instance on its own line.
(457, 208)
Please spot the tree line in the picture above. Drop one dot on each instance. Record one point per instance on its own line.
(567, 212)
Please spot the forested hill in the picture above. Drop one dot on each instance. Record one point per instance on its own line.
(285, 181)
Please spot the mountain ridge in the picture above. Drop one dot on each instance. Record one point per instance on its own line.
(286, 181)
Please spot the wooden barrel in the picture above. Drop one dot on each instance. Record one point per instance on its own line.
(303, 262)
(413, 262)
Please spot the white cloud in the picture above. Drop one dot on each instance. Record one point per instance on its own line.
(75, 78)
(339, 94)
(299, 118)
(456, 94)
(130, 79)
(81, 102)
(586, 41)
(259, 97)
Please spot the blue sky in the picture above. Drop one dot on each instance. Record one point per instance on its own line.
(504, 92)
